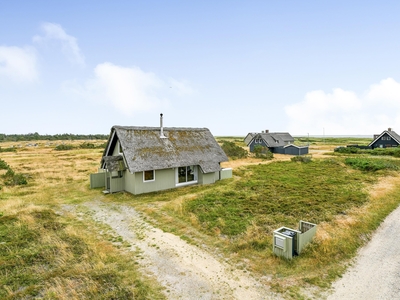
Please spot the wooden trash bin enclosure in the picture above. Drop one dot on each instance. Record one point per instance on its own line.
(289, 242)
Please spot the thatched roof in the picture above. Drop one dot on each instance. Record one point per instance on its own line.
(143, 148)
(114, 163)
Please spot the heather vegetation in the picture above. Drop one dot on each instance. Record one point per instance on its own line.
(394, 151)
(372, 164)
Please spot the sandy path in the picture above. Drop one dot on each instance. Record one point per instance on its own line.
(376, 271)
(186, 271)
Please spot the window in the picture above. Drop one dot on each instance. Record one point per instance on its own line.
(186, 174)
(388, 138)
(149, 175)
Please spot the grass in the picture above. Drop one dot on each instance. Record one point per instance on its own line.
(48, 254)
(237, 217)
(315, 191)
(51, 255)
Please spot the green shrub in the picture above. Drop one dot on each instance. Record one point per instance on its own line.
(370, 164)
(12, 178)
(8, 149)
(233, 151)
(64, 147)
(301, 158)
(87, 145)
(3, 165)
(347, 150)
(263, 152)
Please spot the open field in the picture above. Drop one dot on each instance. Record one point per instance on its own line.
(50, 251)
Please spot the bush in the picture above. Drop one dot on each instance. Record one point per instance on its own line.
(87, 145)
(3, 165)
(64, 147)
(347, 150)
(301, 158)
(12, 178)
(263, 152)
(368, 164)
(233, 151)
(8, 150)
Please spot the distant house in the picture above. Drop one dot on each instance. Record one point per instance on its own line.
(277, 142)
(147, 159)
(388, 138)
(249, 137)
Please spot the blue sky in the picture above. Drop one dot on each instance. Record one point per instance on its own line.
(307, 67)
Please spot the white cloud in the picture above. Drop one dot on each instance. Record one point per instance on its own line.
(386, 92)
(69, 43)
(129, 90)
(343, 112)
(18, 64)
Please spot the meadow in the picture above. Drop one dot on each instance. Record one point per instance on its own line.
(48, 252)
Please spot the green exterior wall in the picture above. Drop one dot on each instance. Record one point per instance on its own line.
(206, 178)
(164, 179)
(129, 182)
(97, 180)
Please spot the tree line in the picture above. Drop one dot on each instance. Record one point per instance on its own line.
(47, 137)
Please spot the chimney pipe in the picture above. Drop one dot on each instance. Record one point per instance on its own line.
(161, 127)
(389, 129)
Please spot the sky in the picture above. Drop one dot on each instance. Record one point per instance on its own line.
(307, 67)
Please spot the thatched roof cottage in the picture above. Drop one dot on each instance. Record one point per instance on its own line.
(147, 159)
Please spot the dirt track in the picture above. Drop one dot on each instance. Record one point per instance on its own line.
(186, 271)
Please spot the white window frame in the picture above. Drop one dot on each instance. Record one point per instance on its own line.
(177, 183)
(151, 180)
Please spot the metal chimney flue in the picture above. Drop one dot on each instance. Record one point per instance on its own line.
(161, 127)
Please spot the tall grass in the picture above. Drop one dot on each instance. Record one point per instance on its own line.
(47, 253)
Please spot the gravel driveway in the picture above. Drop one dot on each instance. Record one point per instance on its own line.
(375, 273)
(186, 271)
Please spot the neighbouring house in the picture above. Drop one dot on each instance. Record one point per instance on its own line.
(388, 138)
(249, 137)
(276, 142)
(147, 159)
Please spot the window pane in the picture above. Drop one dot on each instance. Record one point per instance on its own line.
(181, 174)
(190, 173)
(148, 175)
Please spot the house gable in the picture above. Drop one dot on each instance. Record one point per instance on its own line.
(387, 138)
